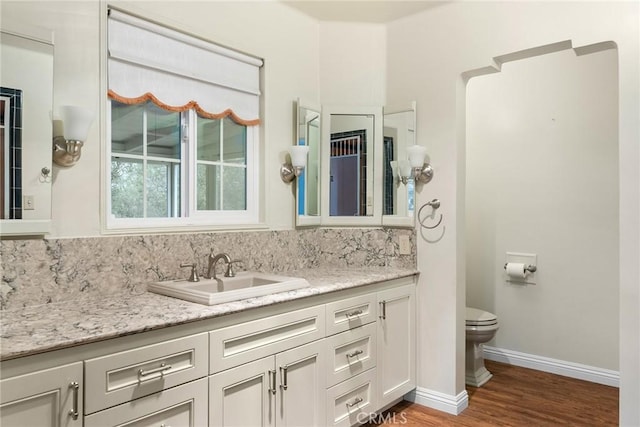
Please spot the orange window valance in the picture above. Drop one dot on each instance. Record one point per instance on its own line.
(191, 105)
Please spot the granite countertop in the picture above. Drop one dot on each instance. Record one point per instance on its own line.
(42, 328)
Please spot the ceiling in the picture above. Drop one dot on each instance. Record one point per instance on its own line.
(371, 11)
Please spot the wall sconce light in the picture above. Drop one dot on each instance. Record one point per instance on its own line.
(402, 170)
(289, 171)
(422, 172)
(67, 148)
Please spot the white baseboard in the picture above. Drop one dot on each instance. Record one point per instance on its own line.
(554, 366)
(440, 401)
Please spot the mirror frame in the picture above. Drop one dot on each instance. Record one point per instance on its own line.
(376, 218)
(307, 220)
(407, 220)
(10, 228)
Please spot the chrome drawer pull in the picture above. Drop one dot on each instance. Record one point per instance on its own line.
(272, 381)
(354, 313)
(354, 354)
(283, 379)
(383, 304)
(354, 403)
(163, 367)
(74, 409)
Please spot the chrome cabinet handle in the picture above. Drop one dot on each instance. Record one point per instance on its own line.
(272, 381)
(354, 403)
(163, 367)
(384, 310)
(74, 386)
(283, 377)
(354, 313)
(354, 354)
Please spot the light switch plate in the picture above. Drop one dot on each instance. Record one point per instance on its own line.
(28, 204)
(405, 245)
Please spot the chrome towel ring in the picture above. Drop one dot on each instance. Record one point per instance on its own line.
(434, 204)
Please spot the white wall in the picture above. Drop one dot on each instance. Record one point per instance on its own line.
(431, 50)
(353, 64)
(286, 39)
(542, 177)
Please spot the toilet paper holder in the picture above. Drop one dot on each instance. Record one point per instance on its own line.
(530, 268)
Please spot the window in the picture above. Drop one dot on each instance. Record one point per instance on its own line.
(183, 119)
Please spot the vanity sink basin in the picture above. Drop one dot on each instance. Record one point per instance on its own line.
(225, 289)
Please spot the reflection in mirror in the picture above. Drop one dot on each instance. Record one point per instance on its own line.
(351, 165)
(308, 126)
(11, 153)
(398, 194)
(26, 100)
(351, 172)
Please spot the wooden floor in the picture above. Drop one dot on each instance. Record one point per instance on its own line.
(521, 397)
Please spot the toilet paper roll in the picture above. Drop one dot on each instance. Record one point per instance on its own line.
(516, 270)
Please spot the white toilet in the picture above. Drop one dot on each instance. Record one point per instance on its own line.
(481, 326)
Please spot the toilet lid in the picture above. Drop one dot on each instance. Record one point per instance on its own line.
(477, 317)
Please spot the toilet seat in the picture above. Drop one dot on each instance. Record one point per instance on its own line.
(476, 317)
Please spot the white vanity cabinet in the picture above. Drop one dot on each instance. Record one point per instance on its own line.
(286, 389)
(50, 397)
(128, 375)
(333, 359)
(396, 363)
(184, 405)
(351, 375)
(270, 371)
(149, 385)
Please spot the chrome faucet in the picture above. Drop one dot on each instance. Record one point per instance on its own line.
(213, 260)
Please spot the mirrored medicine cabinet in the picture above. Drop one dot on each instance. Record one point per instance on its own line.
(26, 100)
(308, 123)
(349, 180)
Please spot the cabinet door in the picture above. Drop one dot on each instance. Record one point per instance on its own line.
(396, 343)
(301, 390)
(44, 398)
(184, 405)
(244, 395)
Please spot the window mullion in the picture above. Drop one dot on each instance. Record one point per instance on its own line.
(145, 131)
(189, 170)
(222, 160)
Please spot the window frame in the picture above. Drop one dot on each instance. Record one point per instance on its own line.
(191, 219)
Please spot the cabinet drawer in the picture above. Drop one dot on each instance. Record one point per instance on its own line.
(351, 402)
(185, 405)
(350, 353)
(120, 377)
(238, 344)
(351, 313)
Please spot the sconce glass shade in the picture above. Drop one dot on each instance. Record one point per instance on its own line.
(405, 168)
(417, 154)
(76, 122)
(394, 168)
(298, 155)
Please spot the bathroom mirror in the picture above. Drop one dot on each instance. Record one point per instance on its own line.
(398, 198)
(26, 100)
(308, 127)
(351, 175)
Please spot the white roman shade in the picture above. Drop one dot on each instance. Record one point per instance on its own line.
(150, 62)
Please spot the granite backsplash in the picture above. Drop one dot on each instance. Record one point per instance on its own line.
(42, 271)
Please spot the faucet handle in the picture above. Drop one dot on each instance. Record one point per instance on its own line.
(193, 277)
(230, 272)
